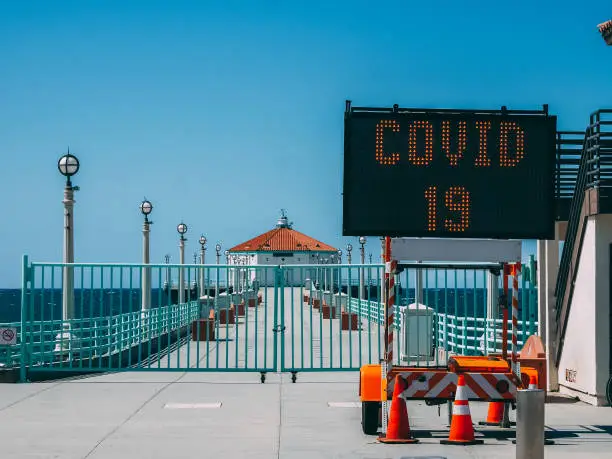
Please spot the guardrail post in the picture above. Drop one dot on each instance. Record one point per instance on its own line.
(24, 320)
(530, 424)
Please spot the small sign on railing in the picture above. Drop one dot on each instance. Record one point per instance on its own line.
(8, 336)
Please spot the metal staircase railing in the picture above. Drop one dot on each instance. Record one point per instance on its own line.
(568, 154)
(591, 195)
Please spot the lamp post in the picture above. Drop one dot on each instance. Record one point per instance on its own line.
(194, 282)
(146, 208)
(339, 272)
(349, 249)
(316, 257)
(362, 241)
(68, 166)
(218, 250)
(227, 273)
(324, 273)
(370, 258)
(234, 287)
(182, 229)
(202, 260)
(332, 274)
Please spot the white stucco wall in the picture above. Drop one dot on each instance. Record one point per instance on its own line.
(584, 363)
(297, 277)
(602, 319)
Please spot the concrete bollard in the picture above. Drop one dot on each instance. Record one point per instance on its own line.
(530, 424)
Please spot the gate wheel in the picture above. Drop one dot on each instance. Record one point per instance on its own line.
(369, 417)
(263, 377)
(293, 376)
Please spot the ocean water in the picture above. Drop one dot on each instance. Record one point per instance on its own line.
(47, 305)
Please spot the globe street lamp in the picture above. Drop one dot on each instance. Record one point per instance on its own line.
(202, 260)
(233, 276)
(194, 282)
(349, 248)
(227, 257)
(218, 250)
(325, 273)
(146, 208)
(68, 166)
(332, 277)
(315, 270)
(182, 229)
(362, 241)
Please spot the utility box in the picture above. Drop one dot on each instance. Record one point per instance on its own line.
(416, 332)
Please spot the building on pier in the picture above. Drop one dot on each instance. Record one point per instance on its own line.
(282, 245)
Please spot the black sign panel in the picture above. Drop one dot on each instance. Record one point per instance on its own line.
(449, 174)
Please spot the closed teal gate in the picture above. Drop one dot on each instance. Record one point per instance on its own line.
(133, 317)
(109, 325)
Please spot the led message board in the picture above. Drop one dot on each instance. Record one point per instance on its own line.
(456, 174)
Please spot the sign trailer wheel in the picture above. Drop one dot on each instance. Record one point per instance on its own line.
(370, 414)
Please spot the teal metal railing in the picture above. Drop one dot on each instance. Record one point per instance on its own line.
(373, 311)
(456, 334)
(480, 336)
(93, 337)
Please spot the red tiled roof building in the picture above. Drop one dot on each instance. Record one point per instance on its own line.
(282, 245)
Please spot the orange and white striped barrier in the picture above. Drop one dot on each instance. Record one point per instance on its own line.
(436, 384)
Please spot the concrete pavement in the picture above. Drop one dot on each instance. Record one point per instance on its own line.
(160, 415)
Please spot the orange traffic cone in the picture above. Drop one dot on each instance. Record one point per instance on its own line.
(461, 431)
(495, 415)
(533, 382)
(398, 428)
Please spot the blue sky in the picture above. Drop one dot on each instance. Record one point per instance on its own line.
(221, 113)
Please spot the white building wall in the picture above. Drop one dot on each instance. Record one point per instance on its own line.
(602, 319)
(265, 277)
(584, 363)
